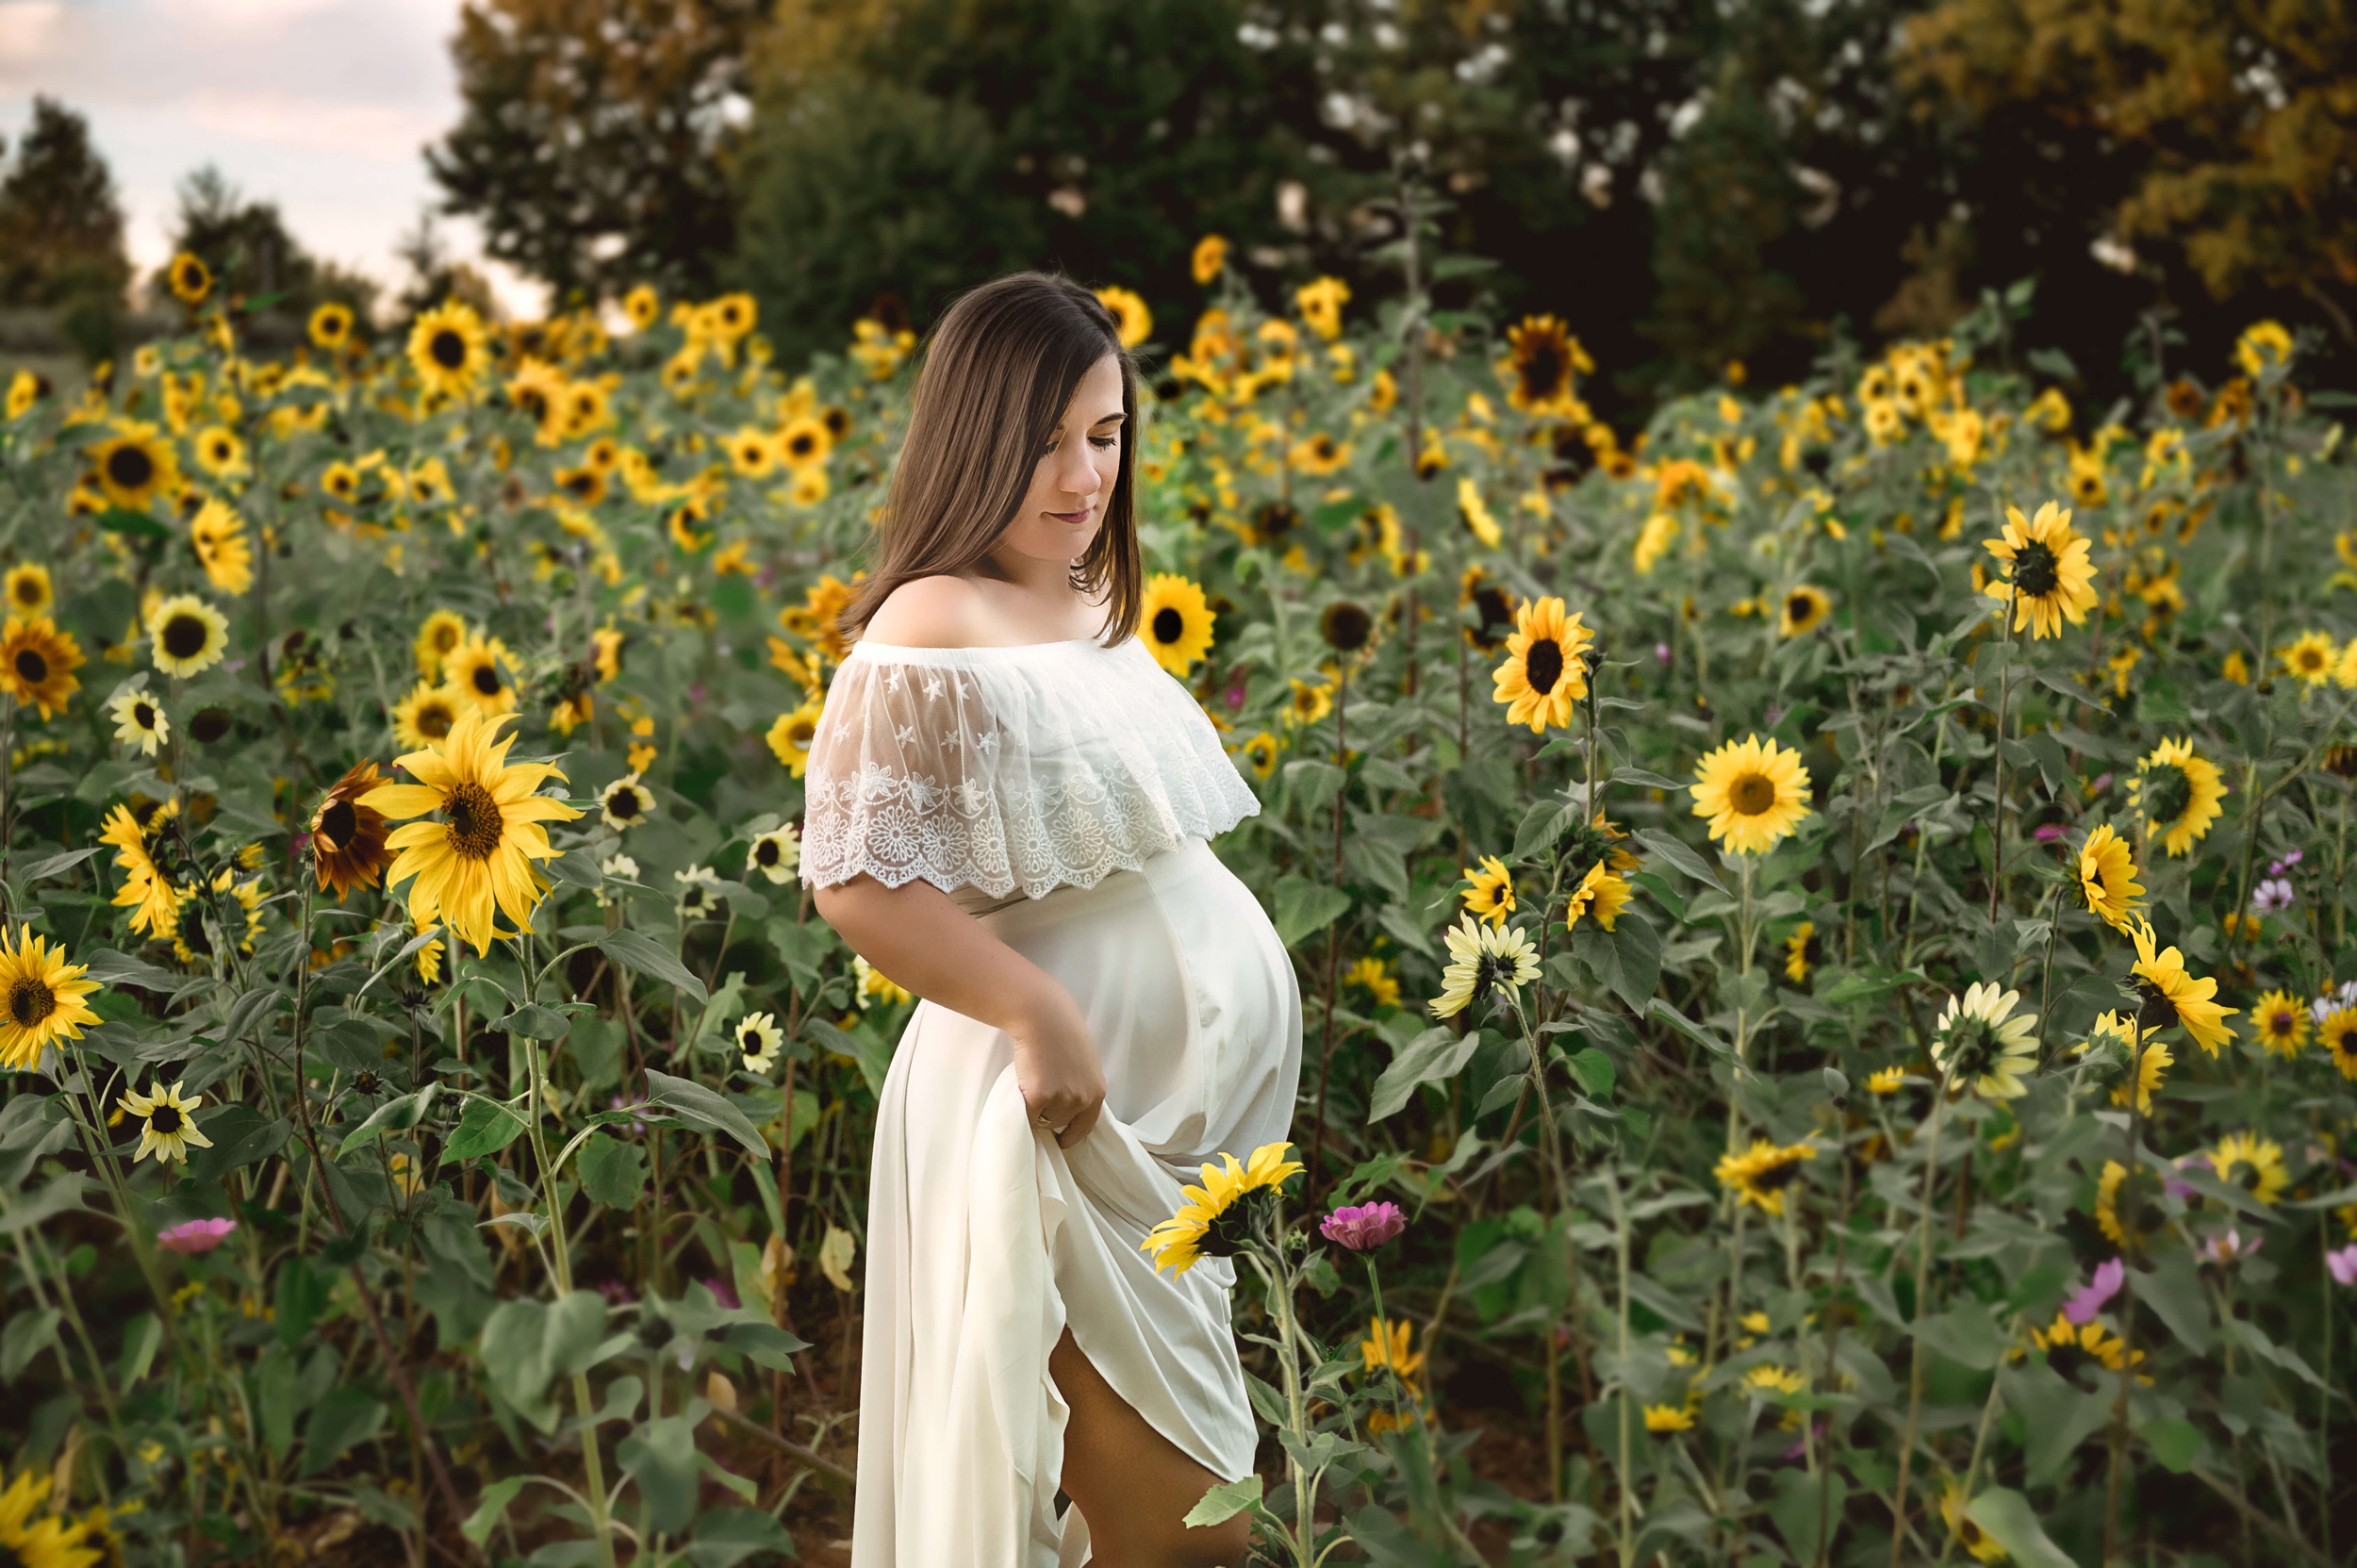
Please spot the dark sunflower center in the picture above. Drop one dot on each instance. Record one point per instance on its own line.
(486, 680)
(28, 593)
(801, 446)
(2281, 1023)
(1168, 624)
(1750, 794)
(1348, 627)
(184, 637)
(192, 930)
(338, 823)
(1543, 369)
(1543, 664)
(30, 1000)
(1800, 609)
(475, 823)
(751, 1040)
(164, 1118)
(210, 725)
(131, 467)
(447, 349)
(2344, 1043)
(765, 852)
(2036, 571)
(144, 715)
(2135, 1206)
(1777, 1178)
(534, 402)
(2066, 1357)
(30, 667)
(1972, 1049)
(2158, 1011)
(799, 734)
(2166, 793)
(1813, 951)
(434, 722)
(1489, 973)
(1496, 611)
(625, 803)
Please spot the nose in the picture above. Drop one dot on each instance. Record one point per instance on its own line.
(1077, 473)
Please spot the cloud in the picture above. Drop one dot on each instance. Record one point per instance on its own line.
(324, 107)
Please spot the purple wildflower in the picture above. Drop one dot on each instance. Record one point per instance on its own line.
(2342, 1264)
(2046, 832)
(723, 1293)
(2229, 1246)
(2272, 895)
(190, 1237)
(1362, 1228)
(2087, 1301)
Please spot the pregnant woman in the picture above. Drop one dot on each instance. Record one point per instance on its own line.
(1009, 804)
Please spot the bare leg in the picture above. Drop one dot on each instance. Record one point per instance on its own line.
(1131, 1483)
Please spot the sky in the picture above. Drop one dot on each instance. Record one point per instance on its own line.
(324, 107)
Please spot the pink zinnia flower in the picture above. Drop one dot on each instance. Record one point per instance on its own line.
(190, 1237)
(2088, 1300)
(1362, 1228)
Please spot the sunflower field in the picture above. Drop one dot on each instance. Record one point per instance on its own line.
(1830, 1021)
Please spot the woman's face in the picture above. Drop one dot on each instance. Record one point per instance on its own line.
(1074, 477)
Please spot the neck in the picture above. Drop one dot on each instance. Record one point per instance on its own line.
(1048, 582)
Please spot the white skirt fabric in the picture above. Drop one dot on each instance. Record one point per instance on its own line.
(985, 1239)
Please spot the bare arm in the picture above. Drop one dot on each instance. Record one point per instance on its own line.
(918, 935)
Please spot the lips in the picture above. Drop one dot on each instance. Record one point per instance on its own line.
(1078, 517)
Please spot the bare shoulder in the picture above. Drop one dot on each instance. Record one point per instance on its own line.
(931, 611)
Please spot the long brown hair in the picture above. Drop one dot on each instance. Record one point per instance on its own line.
(1000, 369)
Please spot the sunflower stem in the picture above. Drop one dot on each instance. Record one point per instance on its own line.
(1996, 806)
(2119, 1436)
(1922, 1311)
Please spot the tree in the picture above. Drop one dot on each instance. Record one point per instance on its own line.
(256, 261)
(596, 136)
(912, 151)
(2222, 135)
(61, 229)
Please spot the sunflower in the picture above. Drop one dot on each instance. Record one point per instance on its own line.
(31, 1540)
(758, 1036)
(1541, 355)
(140, 721)
(1373, 976)
(449, 349)
(751, 453)
(188, 635)
(2177, 792)
(2310, 657)
(642, 305)
(480, 854)
(2151, 1067)
(1804, 610)
(1345, 626)
(189, 279)
(438, 636)
(1754, 792)
(776, 854)
(2107, 877)
(2171, 995)
(1475, 515)
(625, 802)
(805, 440)
(1210, 258)
(146, 892)
(1983, 1044)
(331, 325)
(24, 389)
(1544, 671)
(1803, 951)
(167, 1124)
(790, 737)
(348, 846)
(1886, 1081)
(1321, 303)
(1210, 1223)
(134, 464)
(2281, 1023)
(1175, 623)
(2047, 575)
(1601, 894)
(1132, 322)
(37, 663)
(43, 999)
(219, 451)
(1492, 895)
(1485, 960)
(1260, 754)
(1387, 1347)
(28, 591)
(217, 534)
(1493, 606)
(2128, 1206)
(1760, 1174)
(2264, 1156)
(472, 671)
(2071, 1348)
(426, 715)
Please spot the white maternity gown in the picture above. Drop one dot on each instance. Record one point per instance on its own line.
(1064, 793)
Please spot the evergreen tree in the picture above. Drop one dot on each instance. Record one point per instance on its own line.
(61, 229)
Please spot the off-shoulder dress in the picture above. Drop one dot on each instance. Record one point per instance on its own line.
(1064, 793)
